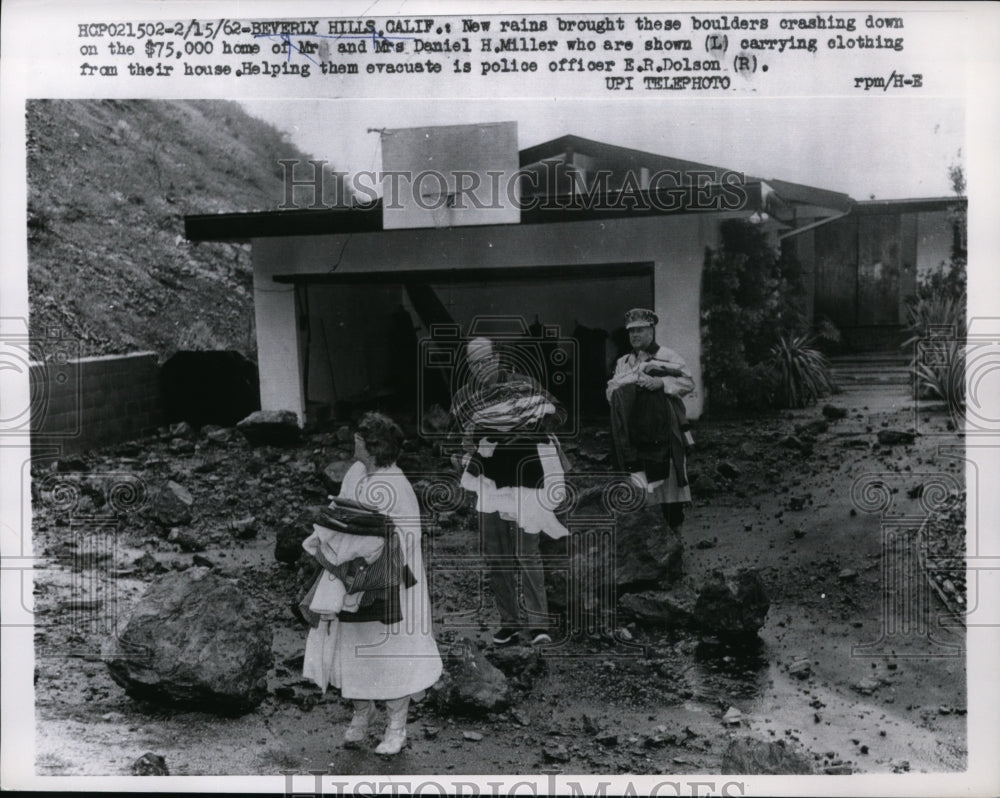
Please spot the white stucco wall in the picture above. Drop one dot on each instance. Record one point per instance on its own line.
(675, 245)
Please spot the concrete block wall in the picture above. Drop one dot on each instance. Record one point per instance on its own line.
(93, 401)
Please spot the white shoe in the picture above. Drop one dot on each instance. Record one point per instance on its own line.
(393, 742)
(395, 733)
(357, 731)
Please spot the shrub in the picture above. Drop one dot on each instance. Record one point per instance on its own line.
(751, 293)
(937, 367)
(803, 371)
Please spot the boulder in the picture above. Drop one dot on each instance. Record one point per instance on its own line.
(731, 604)
(647, 552)
(189, 539)
(244, 528)
(220, 435)
(522, 665)
(150, 764)
(270, 427)
(759, 757)
(290, 534)
(895, 437)
(812, 428)
(183, 430)
(171, 505)
(194, 640)
(834, 413)
(647, 556)
(470, 683)
(670, 609)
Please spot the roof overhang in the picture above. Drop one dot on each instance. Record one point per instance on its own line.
(467, 275)
(559, 209)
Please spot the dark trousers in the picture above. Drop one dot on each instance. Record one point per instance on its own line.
(509, 552)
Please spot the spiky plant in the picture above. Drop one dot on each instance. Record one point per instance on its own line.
(937, 341)
(803, 372)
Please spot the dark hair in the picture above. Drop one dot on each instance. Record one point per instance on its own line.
(382, 436)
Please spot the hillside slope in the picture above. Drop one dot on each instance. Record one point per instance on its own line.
(109, 184)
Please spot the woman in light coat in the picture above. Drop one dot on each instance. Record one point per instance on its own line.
(373, 661)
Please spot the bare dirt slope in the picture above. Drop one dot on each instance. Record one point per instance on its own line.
(109, 184)
(882, 689)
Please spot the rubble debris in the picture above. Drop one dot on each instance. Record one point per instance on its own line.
(520, 664)
(895, 437)
(763, 758)
(668, 609)
(727, 469)
(733, 717)
(290, 533)
(731, 604)
(270, 427)
(812, 428)
(555, 753)
(470, 683)
(171, 505)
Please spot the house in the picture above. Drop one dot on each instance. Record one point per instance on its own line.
(863, 265)
(371, 300)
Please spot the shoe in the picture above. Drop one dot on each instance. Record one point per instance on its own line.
(393, 742)
(506, 636)
(539, 637)
(394, 738)
(357, 731)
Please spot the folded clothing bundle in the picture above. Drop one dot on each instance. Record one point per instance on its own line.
(515, 404)
(351, 518)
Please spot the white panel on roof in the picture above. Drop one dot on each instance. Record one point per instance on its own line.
(454, 175)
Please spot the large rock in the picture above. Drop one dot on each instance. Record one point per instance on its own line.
(664, 609)
(522, 665)
(150, 764)
(759, 757)
(647, 552)
(194, 640)
(470, 683)
(171, 505)
(270, 427)
(895, 437)
(731, 604)
(647, 556)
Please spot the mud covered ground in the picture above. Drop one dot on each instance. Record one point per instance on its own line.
(860, 665)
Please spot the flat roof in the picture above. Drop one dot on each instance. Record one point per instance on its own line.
(558, 209)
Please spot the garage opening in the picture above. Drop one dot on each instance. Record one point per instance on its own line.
(395, 340)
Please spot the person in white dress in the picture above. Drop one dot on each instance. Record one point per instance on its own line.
(372, 661)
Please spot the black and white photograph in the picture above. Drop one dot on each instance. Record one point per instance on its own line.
(589, 398)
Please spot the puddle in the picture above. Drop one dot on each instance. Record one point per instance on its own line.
(726, 672)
